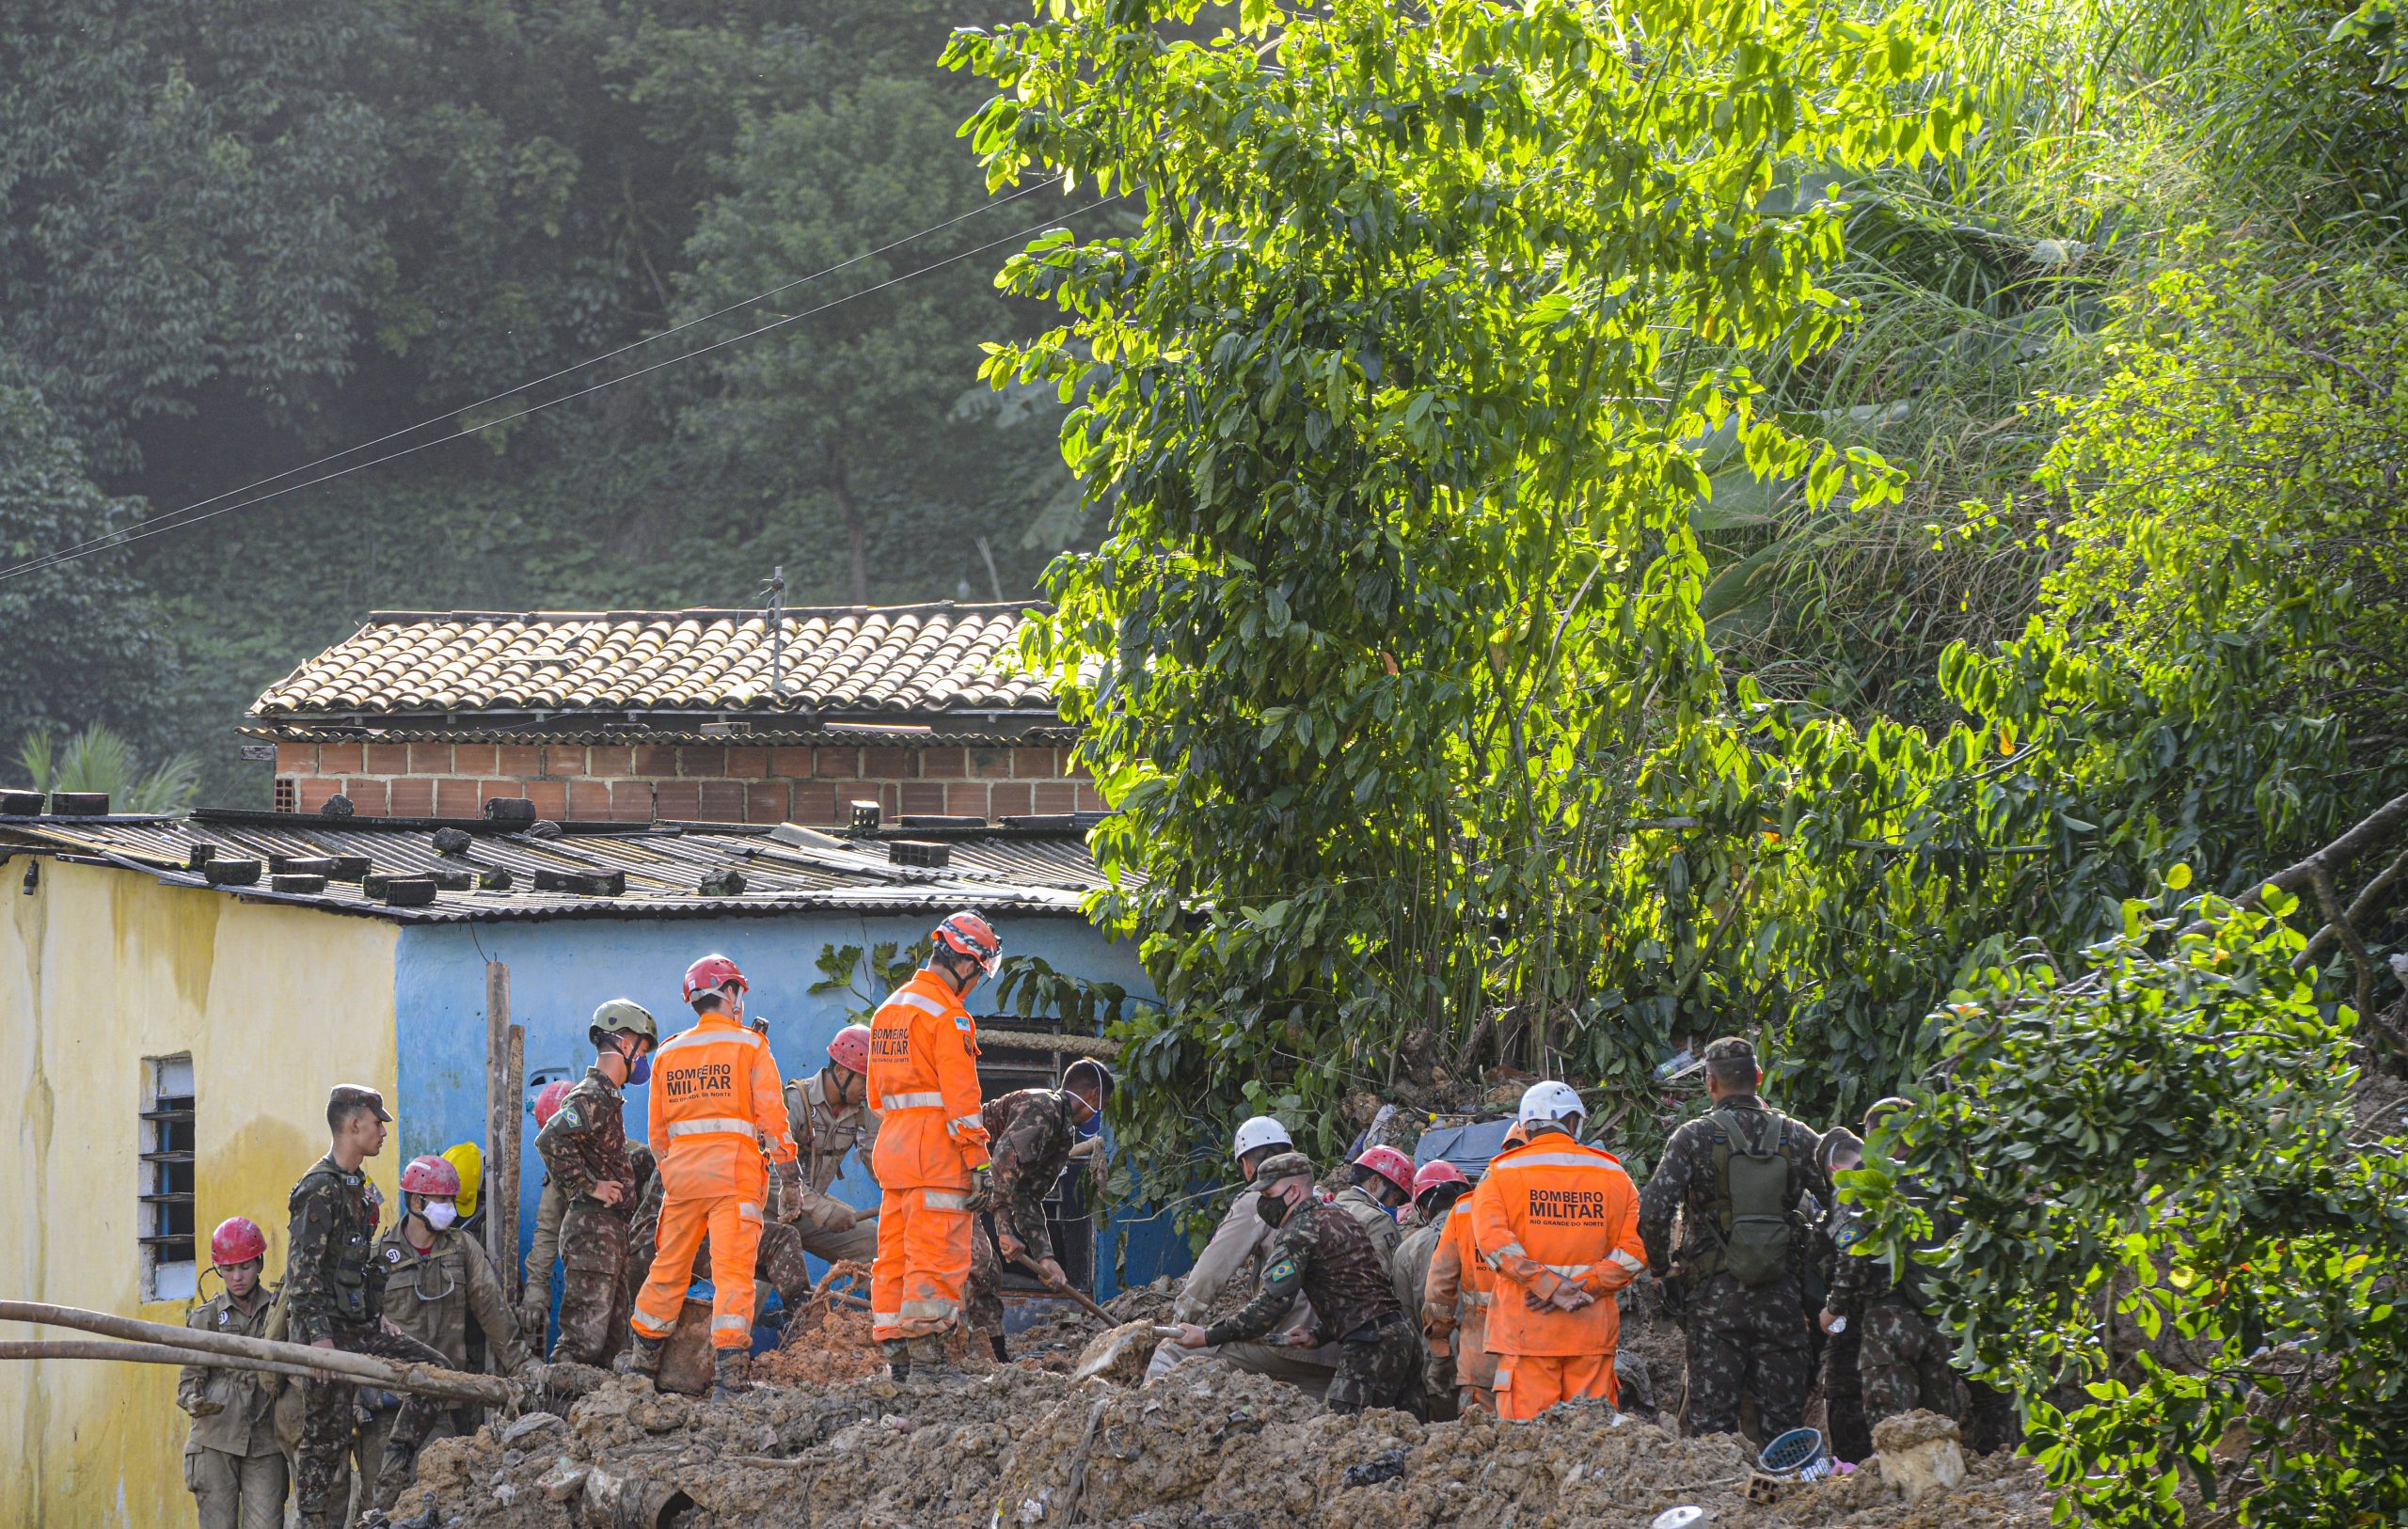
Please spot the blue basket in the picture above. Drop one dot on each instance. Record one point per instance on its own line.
(1792, 1452)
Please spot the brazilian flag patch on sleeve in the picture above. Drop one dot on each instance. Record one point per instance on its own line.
(1284, 1269)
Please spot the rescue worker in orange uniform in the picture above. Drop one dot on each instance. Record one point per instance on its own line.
(716, 1103)
(1557, 1223)
(932, 1154)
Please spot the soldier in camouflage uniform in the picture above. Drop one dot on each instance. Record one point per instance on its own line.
(1844, 1420)
(1734, 1176)
(1322, 1253)
(333, 1293)
(1436, 1188)
(1030, 1133)
(585, 1151)
(1902, 1360)
(1228, 1269)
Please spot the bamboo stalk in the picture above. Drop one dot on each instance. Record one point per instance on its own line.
(490, 1389)
(144, 1353)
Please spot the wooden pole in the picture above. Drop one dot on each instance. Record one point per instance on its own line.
(435, 1381)
(497, 1086)
(501, 1175)
(144, 1353)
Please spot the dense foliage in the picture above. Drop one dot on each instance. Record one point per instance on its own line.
(2205, 1297)
(235, 238)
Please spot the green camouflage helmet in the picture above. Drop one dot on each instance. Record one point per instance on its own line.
(623, 1017)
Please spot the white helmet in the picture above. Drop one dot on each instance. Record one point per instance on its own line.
(1549, 1101)
(1261, 1131)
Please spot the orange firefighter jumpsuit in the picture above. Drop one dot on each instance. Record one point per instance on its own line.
(924, 1083)
(716, 1101)
(1454, 1309)
(1552, 1213)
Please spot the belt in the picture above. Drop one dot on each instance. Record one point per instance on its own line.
(1369, 1332)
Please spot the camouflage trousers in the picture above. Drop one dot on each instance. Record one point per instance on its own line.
(1990, 1421)
(595, 1291)
(983, 1304)
(1903, 1363)
(1751, 1341)
(1844, 1422)
(327, 1425)
(1381, 1370)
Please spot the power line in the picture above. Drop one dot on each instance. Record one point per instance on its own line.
(170, 519)
(139, 533)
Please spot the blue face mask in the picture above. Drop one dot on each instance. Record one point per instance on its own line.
(1093, 1127)
(640, 1070)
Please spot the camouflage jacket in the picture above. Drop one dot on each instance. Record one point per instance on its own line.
(1323, 1254)
(1686, 1183)
(1029, 1136)
(1858, 1280)
(586, 1143)
(434, 1297)
(328, 1276)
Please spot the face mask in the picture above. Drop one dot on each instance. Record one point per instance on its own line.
(1271, 1210)
(641, 1071)
(440, 1214)
(1094, 1126)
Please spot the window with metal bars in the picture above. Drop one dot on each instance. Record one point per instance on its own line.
(167, 1239)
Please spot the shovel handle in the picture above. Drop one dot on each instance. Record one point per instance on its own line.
(1080, 1295)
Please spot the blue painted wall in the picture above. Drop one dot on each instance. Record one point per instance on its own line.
(560, 970)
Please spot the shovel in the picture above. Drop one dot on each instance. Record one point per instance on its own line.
(1085, 1302)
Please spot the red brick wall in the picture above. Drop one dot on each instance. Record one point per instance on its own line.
(687, 783)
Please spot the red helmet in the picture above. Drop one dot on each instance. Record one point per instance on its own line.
(237, 1240)
(1389, 1164)
(711, 973)
(548, 1103)
(431, 1176)
(850, 1049)
(967, 934)
(1435, 1172)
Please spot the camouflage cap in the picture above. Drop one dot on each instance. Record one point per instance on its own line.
(1283, 1165)
(345, 1097)
(1731, 1048)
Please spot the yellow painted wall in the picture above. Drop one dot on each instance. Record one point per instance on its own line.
(100, 969)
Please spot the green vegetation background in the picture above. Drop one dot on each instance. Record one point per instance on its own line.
(236, 237)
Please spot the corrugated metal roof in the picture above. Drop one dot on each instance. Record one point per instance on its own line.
(1009, 871)
(894, 661)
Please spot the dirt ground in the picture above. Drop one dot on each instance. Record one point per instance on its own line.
(1206, 1447)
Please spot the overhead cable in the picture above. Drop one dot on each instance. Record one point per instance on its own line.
(172, 519)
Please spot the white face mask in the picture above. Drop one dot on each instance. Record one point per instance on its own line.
(440, 1214)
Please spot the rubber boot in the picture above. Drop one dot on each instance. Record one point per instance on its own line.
(731, 1373)
(995, 1341)
(898, 1359)
(931, 1366)
(642, 1359)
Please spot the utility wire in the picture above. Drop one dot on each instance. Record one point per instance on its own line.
(139, 533)
(162, 522)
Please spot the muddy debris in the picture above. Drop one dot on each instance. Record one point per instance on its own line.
(1206, 1447)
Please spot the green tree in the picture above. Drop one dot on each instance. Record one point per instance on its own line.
(2170, 1236)
(1408, 368)
(98, 760)
(83, 639)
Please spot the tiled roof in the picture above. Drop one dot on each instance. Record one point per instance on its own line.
(875, 662)
(1022, 872)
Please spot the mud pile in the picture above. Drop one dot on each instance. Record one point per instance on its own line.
(1205, 1448)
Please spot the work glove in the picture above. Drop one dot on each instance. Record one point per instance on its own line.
(982, 1189)
(836, 1217)
(785, 1199)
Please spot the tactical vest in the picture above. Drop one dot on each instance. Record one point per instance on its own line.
(1754, 1205)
